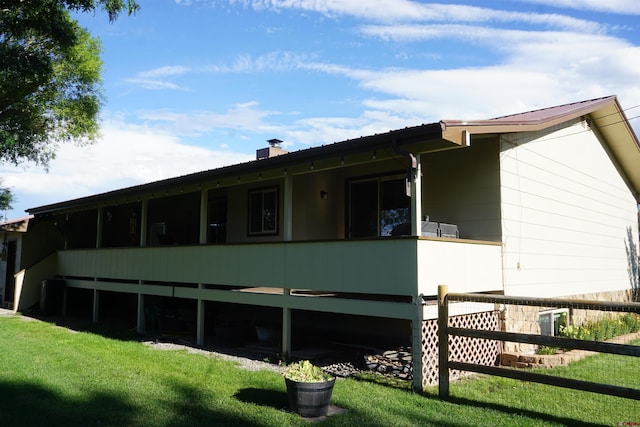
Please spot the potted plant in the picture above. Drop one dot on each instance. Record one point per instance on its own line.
(309, 389)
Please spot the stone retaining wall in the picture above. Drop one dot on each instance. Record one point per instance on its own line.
(523, 319)
(518, 360)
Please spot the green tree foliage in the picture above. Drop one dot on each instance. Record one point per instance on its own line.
(50, 85)
(6, 198)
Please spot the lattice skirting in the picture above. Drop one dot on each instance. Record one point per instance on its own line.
(461, 349)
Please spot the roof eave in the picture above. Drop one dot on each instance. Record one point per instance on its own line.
(402, 137)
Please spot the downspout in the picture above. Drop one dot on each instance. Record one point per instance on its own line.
(413, 187)
(411, 171)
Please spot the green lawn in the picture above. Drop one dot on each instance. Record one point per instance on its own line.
(51, 376)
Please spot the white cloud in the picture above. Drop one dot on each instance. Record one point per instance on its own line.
(623, 7)
(168, 70)
(413, 11)
(156, 79)
(126, 155)
(244, 116)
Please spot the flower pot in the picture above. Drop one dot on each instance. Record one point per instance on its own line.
(310, 399)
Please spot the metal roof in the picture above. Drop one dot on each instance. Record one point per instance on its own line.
(605, 113)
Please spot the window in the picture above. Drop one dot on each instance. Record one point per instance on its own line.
(263, 211)
(552, 322)
(379, 207)
(217, 214)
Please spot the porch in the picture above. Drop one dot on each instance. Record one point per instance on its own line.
(380, 278)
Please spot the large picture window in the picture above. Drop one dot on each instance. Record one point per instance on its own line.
(379, 207)
(263, 211)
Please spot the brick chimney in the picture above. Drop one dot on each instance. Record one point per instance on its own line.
(272, 150)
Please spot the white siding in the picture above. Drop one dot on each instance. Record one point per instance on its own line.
(566, 214)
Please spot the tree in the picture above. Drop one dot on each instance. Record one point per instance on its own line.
(50, 85)
(6, 198)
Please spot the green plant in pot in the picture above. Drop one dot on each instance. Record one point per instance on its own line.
(309, 389)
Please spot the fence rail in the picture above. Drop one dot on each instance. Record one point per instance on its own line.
(445, 332)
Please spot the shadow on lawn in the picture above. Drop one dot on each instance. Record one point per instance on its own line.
(28, 404)
(114, 329)
(263, 397)
(534, 415)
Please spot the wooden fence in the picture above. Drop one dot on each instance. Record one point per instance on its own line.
(445, 332)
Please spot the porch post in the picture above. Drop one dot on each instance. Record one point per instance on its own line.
(200, 320)
(203, 216)
(99, 228)
(417, 347)
(140, 328)
(286, 325)
(144, 211)
(96, 305)
(288, 209)
(416, 199)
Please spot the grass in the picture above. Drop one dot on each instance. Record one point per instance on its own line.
(51, 376)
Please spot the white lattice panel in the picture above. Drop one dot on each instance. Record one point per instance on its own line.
(461, 349)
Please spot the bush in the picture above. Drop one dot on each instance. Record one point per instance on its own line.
(604, 329)
(305, 371)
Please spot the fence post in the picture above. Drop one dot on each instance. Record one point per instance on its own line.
(443, 342)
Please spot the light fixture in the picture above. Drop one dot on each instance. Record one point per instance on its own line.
(324, 195)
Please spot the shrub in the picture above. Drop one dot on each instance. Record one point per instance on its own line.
(305, 371)
(604, 329)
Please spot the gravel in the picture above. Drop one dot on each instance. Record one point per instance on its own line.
(245, 362)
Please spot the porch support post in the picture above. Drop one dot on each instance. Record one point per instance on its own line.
(200, 320)
(416, 199)
(286, 325)
(144, 213)
(417, 347)
(288, 208)
(203, 216)
(140, 327)
(96, 305)
(64, 302)
(99, 228)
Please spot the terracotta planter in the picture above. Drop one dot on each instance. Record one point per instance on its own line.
(310, 400)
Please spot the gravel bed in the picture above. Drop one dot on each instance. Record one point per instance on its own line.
(245, 362)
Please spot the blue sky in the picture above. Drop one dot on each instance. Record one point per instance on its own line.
(192, 85)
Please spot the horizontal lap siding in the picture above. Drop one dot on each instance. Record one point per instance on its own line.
(567, 215)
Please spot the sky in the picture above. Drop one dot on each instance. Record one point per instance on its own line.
(193, 85)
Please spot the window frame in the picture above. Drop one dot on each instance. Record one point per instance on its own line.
(378, 179)
(552, 314)
(262, 191)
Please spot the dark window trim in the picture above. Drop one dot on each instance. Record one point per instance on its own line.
(263, 232)
(382, 176)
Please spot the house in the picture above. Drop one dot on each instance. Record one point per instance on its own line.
(347, 242)
(11, 233)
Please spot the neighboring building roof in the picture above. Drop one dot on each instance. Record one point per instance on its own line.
(18, 224)
(605, 113)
